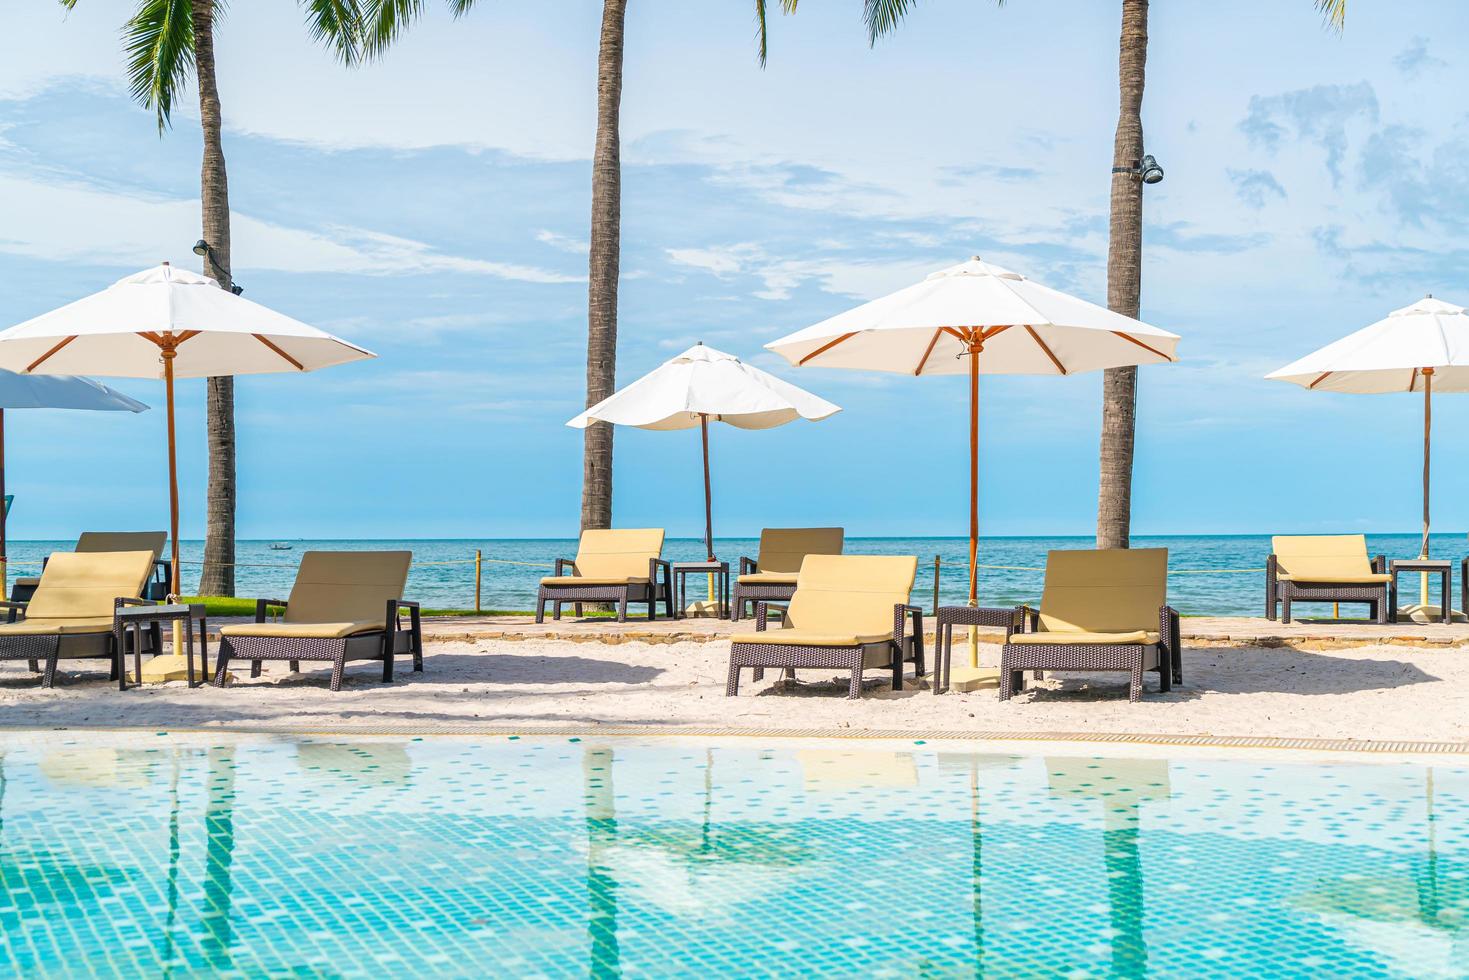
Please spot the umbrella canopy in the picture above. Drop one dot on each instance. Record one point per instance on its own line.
(977, 318)
(702, 385)
(165, 323)
(1423, 347)
(29, 391)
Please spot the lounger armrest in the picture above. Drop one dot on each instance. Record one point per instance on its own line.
(1029, 619)
(396, 606)
(762, 615)
(1272, 572)
(561, 564)
(748, 565)
(653, 565)
(1018, 616)
(1171, 640)
(907, 611)
(1379, 565)
(261, 606)
(16, 609)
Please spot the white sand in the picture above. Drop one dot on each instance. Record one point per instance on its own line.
(1367, 692)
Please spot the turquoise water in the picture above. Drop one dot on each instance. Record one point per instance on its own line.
(513, 586)
(252, 856)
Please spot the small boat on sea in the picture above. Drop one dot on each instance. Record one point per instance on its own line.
(281, 546)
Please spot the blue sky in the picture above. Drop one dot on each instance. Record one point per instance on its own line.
(434, 209)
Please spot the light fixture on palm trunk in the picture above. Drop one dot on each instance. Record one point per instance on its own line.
(203, 248)
(1146, 170)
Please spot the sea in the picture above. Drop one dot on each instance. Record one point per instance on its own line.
(1210, 575)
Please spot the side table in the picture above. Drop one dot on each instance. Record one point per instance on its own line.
(681, 570)
(153, 617)
(1433, 566)
(1009, 619)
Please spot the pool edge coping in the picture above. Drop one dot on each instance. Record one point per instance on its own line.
(1370, 746)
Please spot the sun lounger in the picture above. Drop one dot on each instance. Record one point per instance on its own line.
(71, 614)
(848, 613)
(1324, 568)
(95, 541)
(1101, 610)
(618, 565)
(772, 575)
(344, 605)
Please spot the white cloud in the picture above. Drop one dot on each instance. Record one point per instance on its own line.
(78, 222)
(564, 243)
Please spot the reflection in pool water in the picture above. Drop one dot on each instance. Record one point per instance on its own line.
(251, 855)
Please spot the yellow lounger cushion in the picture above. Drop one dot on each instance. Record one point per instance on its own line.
(810, 638)
(618, 553)
(83, 587)
(584, 580)
(782, 549)
(1368, 579)
(850, 595)
(1076, 636)
(304, 631)
(57, 627)
(768, 578)
(1338, 558)
(1109, 591)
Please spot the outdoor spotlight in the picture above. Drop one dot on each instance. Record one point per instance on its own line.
(203, 248)
(1149, 170)
(1146, 170)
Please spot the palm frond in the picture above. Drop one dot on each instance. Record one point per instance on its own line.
(460, 7)
(786, 6)
(1335, 12)
(159, 42)
(338, 24)
(882, 16)
(384, 21)
(69, 4)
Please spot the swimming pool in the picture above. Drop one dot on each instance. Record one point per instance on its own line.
(250, 855)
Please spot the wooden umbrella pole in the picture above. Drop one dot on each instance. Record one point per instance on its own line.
(1427, 442)
(169, 351)
(974, 349)
(4, 517)
(1427, 432)
(708, 499)
(975, 346)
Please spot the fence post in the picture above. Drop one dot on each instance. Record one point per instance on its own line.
(935, 585)
(478, 565)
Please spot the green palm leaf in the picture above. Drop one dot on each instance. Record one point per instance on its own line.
(338, 25)
(159, 43)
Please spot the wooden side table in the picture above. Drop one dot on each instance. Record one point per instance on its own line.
(1433, 566)
(153, 617)
(1010, 619)
(683, 569)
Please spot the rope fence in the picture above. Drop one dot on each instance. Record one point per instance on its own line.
(479, 561)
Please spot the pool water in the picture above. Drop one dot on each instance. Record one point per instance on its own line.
(269, 855)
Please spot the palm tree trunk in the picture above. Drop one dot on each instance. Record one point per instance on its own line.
(596, 488)
(218, 577)
(1124, 282)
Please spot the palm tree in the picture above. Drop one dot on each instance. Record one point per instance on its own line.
(1124, 248)
(166, 41)
(384, 21)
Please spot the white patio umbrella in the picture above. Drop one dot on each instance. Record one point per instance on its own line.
(976, 318)
(703, 385)
(24, 391)
(1423, 347)
(169, 323)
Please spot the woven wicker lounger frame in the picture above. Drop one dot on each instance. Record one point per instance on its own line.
(1282, 592)
(110, 646)
(1165, 657)
(754, 593)
(902, 648)
(382, 645)
(650, 592)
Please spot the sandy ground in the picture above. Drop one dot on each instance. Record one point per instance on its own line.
(1383, 692)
